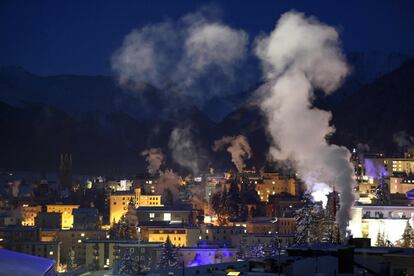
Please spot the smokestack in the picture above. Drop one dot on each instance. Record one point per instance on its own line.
(301, 55)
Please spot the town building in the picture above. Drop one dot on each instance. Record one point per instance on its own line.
(86, 219)
(273, 183)
(66, 211)
(29, 214)
(370, 220)
(118, 202)
(173, 215)
(49, 220)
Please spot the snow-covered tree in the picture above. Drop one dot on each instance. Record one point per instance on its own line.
(71, 261)
(128, 266)
(331, 229)
(383, 192)
(306, 221)
(380, 239)
(233, 201)
(407, 239)
(126, 227)
(256, 251)
(169, 256)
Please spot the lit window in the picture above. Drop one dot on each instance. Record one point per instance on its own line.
(152, 215)
(167, 216)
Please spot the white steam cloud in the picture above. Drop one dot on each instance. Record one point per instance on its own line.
(168, 186)
(195, 54)
(301, 55)
(402, 139)
(239, 149)
(155, 158)
(184, 150)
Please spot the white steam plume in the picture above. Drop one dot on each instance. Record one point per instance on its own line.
(239, 149)
(15, 187)
(301, 55)
(184, 150)
(198, 54)
(402, 139)
(155, 158)
(168, 181)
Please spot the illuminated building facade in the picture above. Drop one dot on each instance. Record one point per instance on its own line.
(401, 184)
(221, 234)
(76, 239)
(179, 236)
(369, 220)
(162, 214)
(118, 202)
(274, 183)
(66, 211)
(29, 214)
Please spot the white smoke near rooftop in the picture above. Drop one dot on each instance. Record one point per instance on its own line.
(300, 55)
(402, 139)
(15, 187)
(239, 149)
(184, 150)
(154, 158)
(197, 54)
(168, 185)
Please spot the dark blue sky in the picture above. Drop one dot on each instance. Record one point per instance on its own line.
(53, 37)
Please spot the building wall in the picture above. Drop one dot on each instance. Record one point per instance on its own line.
(165, 215)
(49, 220)
(118, 203)
(66, 210)
(286, 226)
(400, 185)
(261, 227)
(273, 183)
(106, 253)
(29, 214)
(368, 221)
(75, 239)
(179, 236)
(221, 234)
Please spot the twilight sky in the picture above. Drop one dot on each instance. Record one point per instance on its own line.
(79, 36)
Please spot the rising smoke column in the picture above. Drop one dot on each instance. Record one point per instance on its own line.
(168, 183)
(300, 55)
(185, 151)
(239, 149)
(155, 158)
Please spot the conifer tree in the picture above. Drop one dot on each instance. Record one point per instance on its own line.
(128, 266)
(383, 192)
(304, 220)
(407, 239)
(380, 239)
(169, 258)
(329, 225)
(71, 261)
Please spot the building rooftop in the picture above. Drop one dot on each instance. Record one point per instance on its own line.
(164, 209)
(14, 263)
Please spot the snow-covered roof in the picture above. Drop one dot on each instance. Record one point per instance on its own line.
(19, 264)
